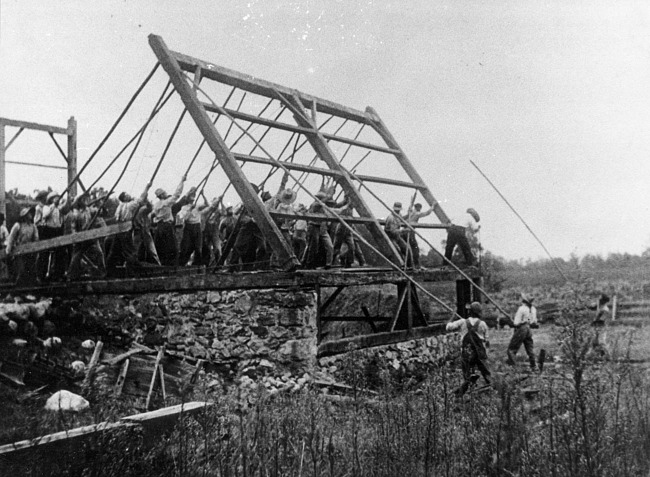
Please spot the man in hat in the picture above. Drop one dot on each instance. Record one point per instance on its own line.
(123, 249)
(286, 198)
(474, 344)
(525, 317)
(393, 226)
(457, 236)
(413, 217)
(90, 249)
(318, 236)
(192, 216)
(24, 231)
(4, 235)
(163, 221)
(51, 264)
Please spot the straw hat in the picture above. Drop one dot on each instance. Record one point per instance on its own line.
(24, 211)
(52, 195)
(474, 214)
(288, 196)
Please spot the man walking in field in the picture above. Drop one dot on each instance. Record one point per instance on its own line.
(474, 344)
(525, 318)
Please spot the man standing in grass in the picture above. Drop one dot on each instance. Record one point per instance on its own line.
(525, 318)
(474, 343)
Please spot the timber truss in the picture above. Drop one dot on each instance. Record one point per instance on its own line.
(315, 143)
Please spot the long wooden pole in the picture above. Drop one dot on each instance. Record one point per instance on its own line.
(522, 220)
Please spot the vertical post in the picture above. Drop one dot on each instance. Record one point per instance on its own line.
(3, 205)
(319, 323)
(72, 155)
(463, 296)
(409, 305)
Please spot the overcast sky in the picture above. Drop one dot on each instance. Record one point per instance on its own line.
(550, 99)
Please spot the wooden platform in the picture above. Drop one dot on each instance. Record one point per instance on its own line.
(300, 279)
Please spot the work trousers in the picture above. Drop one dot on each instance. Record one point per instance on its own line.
(522, 335)
(211, 245)
(51, 263)
(318, 239)
(456, 236)
(346, 254)
(147, 252)
(299, 243)
(93, 253)
(401, 245)
(192, 241)
(165, 240)
(123, 251)
(468, 363)
(249, 246)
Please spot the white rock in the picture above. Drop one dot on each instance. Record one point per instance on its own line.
(13, 325)
(78, 367)
(19, 342)
(66, 401)
(52, 342)
(88, 344)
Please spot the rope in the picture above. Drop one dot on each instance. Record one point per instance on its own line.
(522, 221)
(110, 131)
(154, 112)
(449, 262)
(169, 143)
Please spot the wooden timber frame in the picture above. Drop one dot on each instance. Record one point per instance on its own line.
(70, 156)
(187, 75)
(179, 67)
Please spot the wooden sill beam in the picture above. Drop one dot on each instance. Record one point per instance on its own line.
(35, 126)
(265, 88)
(348, 219)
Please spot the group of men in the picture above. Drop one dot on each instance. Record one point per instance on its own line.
(474, 340)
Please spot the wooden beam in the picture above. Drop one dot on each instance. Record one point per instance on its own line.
(400, 303)
(354, 142)
(72, 157)
(121, 378)
(161, 353)
(378, 339)
(93, 234)
(11, 141)
(325, 172)
(319, 144)
(379, 126)
(356, 318)
(65, 157)
(228, 163)
(257, 119)
(348, 219)
(3, 168)
(301, 279)
(330, 299)
(265, 88)
(35, 126)
(97, 352)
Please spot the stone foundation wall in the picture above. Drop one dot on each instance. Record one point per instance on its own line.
(234, 330)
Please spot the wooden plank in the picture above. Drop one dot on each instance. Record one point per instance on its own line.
(265, 88)
(93, 364)
(370, 320)
(228, 163)
(35, 126)
(3, 192)
(378, 339)
(161, 374)
(614, 303)
(161, 353)
(121, 357)
(379, 126)
(119, 384)
(321, 147)
(356, 318)
(93, 234)
(400, 303)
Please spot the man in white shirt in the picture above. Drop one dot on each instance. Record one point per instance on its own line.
(474, 341)
(525, 317)
(163, 220)
(457, 236)
(414, 215)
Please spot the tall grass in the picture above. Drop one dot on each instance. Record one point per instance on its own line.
(590, 417)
